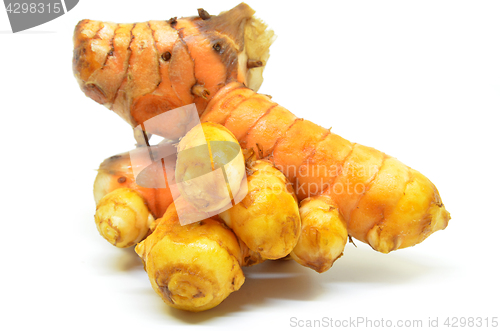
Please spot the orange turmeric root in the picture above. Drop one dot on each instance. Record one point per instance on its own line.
(141, 70)
(192, 267)
(113, 186)
(145, 69)
(383, 202)
(116, 172)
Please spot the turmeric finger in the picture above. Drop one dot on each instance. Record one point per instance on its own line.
(267, 220)
(192, 267)
(123, 218)
(384, 203)
(144, 69)
(323, 234)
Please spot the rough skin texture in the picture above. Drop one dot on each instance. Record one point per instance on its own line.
(144, 69)
(384, 202)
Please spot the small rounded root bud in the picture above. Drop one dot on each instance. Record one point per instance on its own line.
(166, 56)
(95, 93)
(217, 47)
(200, 91)
(203, 14)
(122, 217)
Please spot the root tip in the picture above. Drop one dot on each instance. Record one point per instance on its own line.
(254, 64)
(200, 91)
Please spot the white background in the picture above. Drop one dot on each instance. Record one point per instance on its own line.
(419, 80)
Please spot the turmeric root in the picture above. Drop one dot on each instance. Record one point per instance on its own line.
(115, 176)
(116, 172)
(123, 218)
(345, 189)
(384, 203)
(141, 70)
(192, 267)
(267, 220)
(323, 234)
